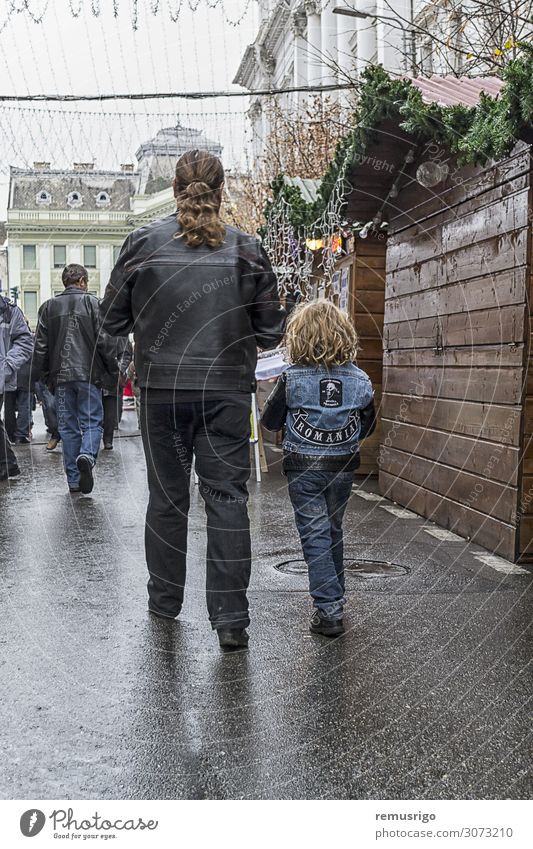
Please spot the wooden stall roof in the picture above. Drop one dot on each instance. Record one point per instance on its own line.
(386, 160)
(455, 91)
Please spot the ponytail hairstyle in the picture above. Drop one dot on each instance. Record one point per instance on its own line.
(198, 190)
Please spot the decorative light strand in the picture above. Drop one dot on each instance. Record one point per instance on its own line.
(154, 8)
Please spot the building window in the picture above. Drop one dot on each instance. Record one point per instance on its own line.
(116, 253)
(43, 198)
(60, 256)
(30, 304)
(89, 256)
(426, 57)
(29, 257)
(74, 199)
(103, 199)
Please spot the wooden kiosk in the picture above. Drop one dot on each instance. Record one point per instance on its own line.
(457, 387)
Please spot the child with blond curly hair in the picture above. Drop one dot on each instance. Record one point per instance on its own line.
(326, 404)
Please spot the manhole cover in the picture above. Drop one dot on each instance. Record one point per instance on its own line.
(375, 568)
(360, 568)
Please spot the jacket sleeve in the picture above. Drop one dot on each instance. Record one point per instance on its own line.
(267, 315)
(368, 420)
(115, 307)
(21, 342)
(275, 409)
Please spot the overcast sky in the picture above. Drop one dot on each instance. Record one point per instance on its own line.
(88, 55)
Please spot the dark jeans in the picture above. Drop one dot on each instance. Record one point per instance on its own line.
(218, 433)
(8, 461)
(48, 402)
(319, 500)
(80, 414)
(18, 418)
(111, 410)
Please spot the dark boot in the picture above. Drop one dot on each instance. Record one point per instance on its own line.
(233, 638)
(85, 468)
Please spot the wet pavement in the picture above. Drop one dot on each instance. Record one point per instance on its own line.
(426, 696)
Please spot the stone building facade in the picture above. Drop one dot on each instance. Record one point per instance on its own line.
(308, 43)
(83, 215)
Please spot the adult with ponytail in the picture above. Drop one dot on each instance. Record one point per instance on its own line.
(200, 297)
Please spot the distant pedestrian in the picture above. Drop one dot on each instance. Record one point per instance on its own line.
(19, 405)
(72, 357)
(200, 296)
(48, 405)
(113, 388)
(326, 404)
(15, 350)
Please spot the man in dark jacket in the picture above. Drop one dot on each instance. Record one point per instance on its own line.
(199, 297)
(15, 350)
(72, 357)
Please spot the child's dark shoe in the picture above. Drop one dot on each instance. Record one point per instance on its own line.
(326, 627)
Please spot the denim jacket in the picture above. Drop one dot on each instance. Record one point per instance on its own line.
(325, 411)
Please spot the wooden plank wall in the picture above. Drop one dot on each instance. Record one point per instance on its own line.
(524, 513)
(367, 300)
(455, 326)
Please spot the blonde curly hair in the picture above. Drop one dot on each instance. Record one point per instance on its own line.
(320, 334)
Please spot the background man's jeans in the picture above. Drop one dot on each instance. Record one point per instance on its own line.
(319, 500)
(80, 416)
(18, 418)
(218, 432)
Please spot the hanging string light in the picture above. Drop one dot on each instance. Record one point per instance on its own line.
(319, 239)
(154, 8)
(37, 17)
(292, 261)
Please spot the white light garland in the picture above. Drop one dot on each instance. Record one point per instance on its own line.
(294, 268)
(154, 7)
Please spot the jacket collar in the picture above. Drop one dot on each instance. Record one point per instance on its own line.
(72, 290)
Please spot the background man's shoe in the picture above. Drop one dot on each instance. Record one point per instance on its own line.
(108, 446)
(232, 638)
(326, 627)
(52, 443)
(23, 440)
(85, 468)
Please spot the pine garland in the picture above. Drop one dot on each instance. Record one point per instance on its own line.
(474, 134)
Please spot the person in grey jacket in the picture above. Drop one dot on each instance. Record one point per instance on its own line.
(15, 349)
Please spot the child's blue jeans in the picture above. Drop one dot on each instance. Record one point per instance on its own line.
(319, 500)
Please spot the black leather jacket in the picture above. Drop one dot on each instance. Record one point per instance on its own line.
(68, 342)
(198, 314)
